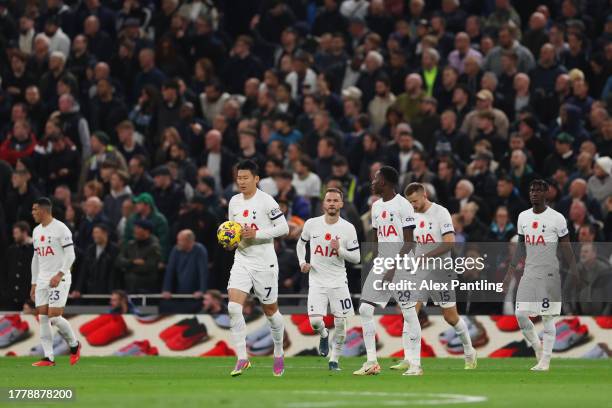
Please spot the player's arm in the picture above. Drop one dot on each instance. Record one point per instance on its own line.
(519, 254)
(300, 248)
(408, 224)
(350, 250)
(279, 224)
(34, 268)
(568, 254)
(67, 259)
(447, 244)
(447, 231)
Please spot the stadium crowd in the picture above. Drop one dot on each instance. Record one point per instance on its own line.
(132, 114)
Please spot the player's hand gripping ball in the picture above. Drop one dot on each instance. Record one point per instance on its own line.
(229, 234)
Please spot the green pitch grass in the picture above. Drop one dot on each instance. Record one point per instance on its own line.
(205, 382)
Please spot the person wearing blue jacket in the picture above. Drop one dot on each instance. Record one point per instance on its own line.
(186, 273)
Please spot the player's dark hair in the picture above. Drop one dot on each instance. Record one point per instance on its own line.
(335, 190)
(44, 202)
(414, 188)
(249, 165)
(389, 174)
(539, 183)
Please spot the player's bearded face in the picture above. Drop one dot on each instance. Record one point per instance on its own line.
(332, 206)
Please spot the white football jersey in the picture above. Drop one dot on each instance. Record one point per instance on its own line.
(389, 218)
(49, 243)
(431, 226)
(328, 270)
(542, 232)
(260, 212)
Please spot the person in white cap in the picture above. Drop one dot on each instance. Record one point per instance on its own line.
(600, 183)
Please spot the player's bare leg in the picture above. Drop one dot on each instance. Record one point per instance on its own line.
(317, 324)
(371, 366)
(529, 332)
(411, 340)
(46, 338)
(337, 342)
(65, 330)
(452, 317)
(550, 332)
(277, 327)
(238, 329)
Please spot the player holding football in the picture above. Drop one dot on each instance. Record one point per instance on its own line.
(255, 263)
(333, 240)
(540, 230)
(393, 221)
(435, 236)
(51, 278)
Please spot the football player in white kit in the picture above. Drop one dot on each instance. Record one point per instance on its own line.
(333, 240)
(540, 230)
(393, 221)
(51, 278)
(435, 235)
(255, 263)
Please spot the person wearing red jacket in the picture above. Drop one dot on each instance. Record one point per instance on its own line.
(19, 143)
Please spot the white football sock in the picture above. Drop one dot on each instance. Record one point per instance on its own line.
(64, 328)
(277, 326)
(366, 311)
(462, 331)
(339, 337)
(318, 325)
(237, 329)
(550, 333)
(46, 336)
(411, 336)
(528, 330)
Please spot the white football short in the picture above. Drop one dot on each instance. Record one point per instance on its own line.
(54, 297)
(539, 296)
(263, 282)
(339, 300)
(374, 291)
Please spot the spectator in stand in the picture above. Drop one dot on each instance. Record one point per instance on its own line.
(599, 185)
(409, 101)
(94, 215)
(19, 143)
(119, 192)
(15, 278)
(139, 260)
(145, 209)
(484, 102)
(502, 229)
(166, 193)
(74, 125)
(186, 273)
(97, 273)
(19, 200)
(463, 50)
(306, 182)
(507, 41)
(62, 164)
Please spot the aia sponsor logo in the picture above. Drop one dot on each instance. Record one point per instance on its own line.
(325, 250)
(535, 239)
(425, 239)
(387, 231)
(45, 251)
